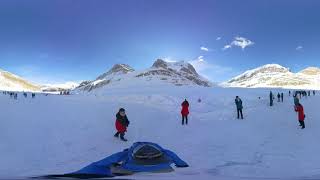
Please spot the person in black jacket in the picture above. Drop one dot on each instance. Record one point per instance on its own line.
(278, 97)
(122, 123)
(239, 106)
(271, 98)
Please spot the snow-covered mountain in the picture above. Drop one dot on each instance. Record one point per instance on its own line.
(176, 73)
(274, 75)
(59, 87)
(12, 82)
(312, 71)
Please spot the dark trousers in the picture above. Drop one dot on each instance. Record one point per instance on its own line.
(302, 124)
(118, 133)
(239, 111)
(184, 118)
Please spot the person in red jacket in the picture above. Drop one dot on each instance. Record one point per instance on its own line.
(301, 115)
(185, 111)
(121, 124)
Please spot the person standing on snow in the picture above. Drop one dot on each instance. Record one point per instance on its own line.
(296, 100)
(271, 98)
(301, 115)
(238, 103)
(281, 97)
(278, 96)
(185, 111)
(121, 124)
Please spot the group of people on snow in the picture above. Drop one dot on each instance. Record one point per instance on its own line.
(14, 95)
(303, 93)
(279, 96)
(298, 107)
(122, 121)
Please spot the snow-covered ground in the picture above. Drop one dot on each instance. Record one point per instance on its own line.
(59, 134)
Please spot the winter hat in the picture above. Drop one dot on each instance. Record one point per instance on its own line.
(122, 110)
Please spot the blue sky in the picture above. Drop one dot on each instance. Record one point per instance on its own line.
(72, 40)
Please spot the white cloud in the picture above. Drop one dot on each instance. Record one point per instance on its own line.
(218, 38)
(204, 48)
(226, 47)
(299, 48)
(240, 42)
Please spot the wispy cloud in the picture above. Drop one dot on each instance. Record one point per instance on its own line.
(239, 42)
(209, 70)
(226, 47)
(204, 48)
(299, 48)
(218, 38)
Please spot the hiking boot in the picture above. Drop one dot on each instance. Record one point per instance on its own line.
(122, 137)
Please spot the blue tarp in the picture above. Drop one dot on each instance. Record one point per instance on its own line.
(127, 162)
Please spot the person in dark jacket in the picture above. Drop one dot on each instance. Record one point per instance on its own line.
(238, 103)
(295, 100)
(301, 115)
(185, 111)
(271, 98)
(121, 124)
(278, 96)
(281, 97)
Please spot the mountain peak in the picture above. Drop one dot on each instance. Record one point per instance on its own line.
(311, 71)
(179, 66)
(265, 69)
(159, 63)
(274, 75)
(117, 69)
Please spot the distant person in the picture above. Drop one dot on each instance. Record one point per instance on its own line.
(239, 106)
(271, 98)
(33, 95)
(121, 124)
(281, 97)
(314, 92)
(199, 100)
(301, 115)
(296, 100)
(278, 97)
(185, 111)
(289, 93)
(308, 93)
